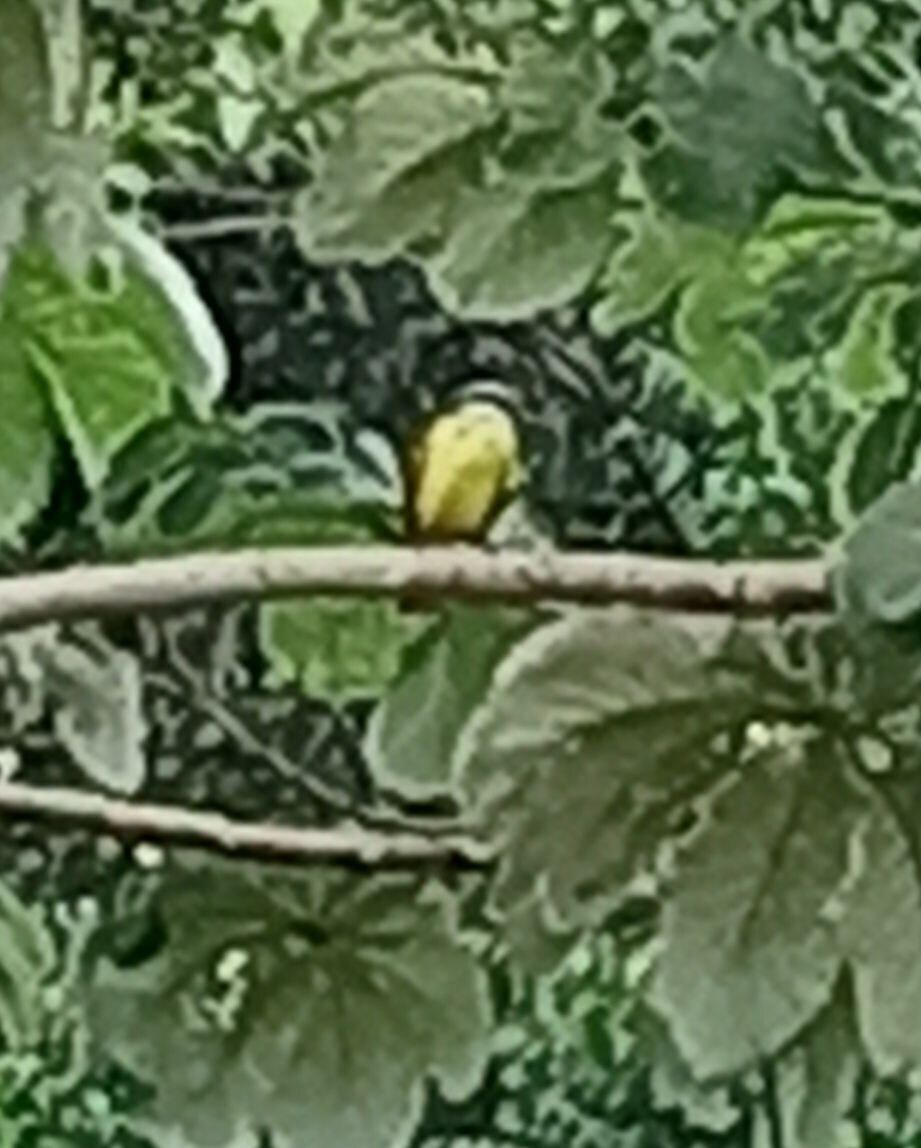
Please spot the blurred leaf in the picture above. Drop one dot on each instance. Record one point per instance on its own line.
(339, 997)
(443, 676)
(595, 734)
(27, 442)
(737, 131)
(749, 951)
(497, 262)
(389, 177)
(96, 694)
(879, 576)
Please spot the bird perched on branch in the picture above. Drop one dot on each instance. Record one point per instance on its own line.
(463, 467)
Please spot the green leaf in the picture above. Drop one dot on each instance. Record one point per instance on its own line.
(413, 730)
(879, 577)
(749, 944)
(335, 649)
(317, 1006)
(387, 180)
(111, 355)
(96, 694)
(27, 443)
(187, 334)
(511, 250)
(595, 732)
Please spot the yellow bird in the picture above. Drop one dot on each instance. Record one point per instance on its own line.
(463, 468)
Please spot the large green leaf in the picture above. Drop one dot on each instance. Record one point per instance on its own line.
(392, 173)
(513, 249)
(750, 949)
(111, 352)
(312, 1005)
(597, 729)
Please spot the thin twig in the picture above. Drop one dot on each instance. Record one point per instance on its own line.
(753, 588)
(351, 846)
(223, 226)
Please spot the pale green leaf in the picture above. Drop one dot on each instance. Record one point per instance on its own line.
(96, 694)
(341, 997)
(511, 250)
(880, 575)
(596, 730)
(750, 953)
(391, 174)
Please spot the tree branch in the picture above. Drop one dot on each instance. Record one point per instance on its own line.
(755, 588)
(349, 846)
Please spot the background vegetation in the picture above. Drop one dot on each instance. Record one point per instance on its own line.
(244, 246)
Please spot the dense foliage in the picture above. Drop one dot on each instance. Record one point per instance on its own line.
(243, 247)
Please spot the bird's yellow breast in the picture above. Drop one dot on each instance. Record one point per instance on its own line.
(467, 462)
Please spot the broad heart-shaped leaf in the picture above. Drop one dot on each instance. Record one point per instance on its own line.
(413, 730)
(514, 248)
(27, 440)
(738, 127)
(313, 1005)
(111, 352)
(27, 957)
(388, 178)
(596, 731)
(96, 692)
(879, 577)
(750, 948)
